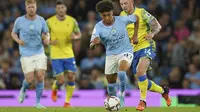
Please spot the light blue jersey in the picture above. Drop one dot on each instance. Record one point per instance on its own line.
(115, 37)
(30, 31)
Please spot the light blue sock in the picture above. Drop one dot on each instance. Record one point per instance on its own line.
(111, 89)
(39, 90)
(25, 85)
(122, 79)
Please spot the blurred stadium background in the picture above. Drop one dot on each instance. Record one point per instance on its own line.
(177, 64)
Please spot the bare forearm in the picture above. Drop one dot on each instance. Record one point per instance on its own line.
(77, 36)
(155, 26)
(46, 36)
(15, 37)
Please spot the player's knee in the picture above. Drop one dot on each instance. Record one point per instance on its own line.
(140, 72)
(61, 81)
(40, 78)
(124, 65)
(71, 77)
(29, 79)
(111, 80)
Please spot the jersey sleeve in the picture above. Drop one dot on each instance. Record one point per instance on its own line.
(128, 19)
(44, 26)
(95, 33)
(146, 16)
(76, 27)
(16, 26)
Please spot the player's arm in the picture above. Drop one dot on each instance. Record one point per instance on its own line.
(46, 38)
(15, 33)
(95, 40)
(45, 32)
(129, 20)
(152, 22)
(76, 31)
(155, 27)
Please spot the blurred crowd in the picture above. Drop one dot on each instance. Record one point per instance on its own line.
(178, 43)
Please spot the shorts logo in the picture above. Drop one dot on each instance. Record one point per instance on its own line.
(74, 62)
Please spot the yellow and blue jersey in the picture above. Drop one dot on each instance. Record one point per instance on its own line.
(144, 48)
(62, 55)
(61, 31)
(144, 19)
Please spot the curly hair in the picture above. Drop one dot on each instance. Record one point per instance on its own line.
(104, 6)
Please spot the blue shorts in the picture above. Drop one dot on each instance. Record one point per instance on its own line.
(148, 52)
(61, 65)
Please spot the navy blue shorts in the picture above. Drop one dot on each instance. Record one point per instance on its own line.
(61, 65)
(148, 52)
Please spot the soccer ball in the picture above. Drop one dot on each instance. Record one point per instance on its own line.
(112, 104)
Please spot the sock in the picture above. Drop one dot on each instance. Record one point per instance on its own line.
(122, 79)
(25, 85)
(143, 85)
(56, 85)
(69, 91)
(111, 88)
(154, 87)
(39, 90)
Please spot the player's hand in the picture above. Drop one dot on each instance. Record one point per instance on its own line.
(73, 36)
(96, 41)
(46, 41)
(54, 42)
(21, 42)
(134, 40)
(149, 36)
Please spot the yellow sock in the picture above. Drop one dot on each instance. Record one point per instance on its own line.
(54, 86)
(143, 85)
(156, 88)
(69, 93)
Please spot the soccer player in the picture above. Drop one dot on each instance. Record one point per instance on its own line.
(144, 51)
(111, 31)
(63, 30)
(30, 31)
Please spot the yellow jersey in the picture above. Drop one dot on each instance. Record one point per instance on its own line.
(144, 28)
(61, 31)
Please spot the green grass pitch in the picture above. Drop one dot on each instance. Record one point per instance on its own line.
(98, 109)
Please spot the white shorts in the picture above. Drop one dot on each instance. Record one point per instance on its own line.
(33, 63)
(113, 61)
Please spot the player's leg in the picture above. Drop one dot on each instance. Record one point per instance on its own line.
(125, 61)
(58, 68)
(164, 91)
(140, 65)
(145, 56)
(28, 70)
(150, 53)
(111, 74)
(41, 66)
(145, 84)
(142, 81)
(70, 70)
(112, 86)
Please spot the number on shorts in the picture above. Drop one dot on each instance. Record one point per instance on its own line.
(128, 55)
(147, 51)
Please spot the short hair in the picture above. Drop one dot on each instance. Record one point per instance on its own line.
(30, 2)
(60, 2)
(104, 6)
